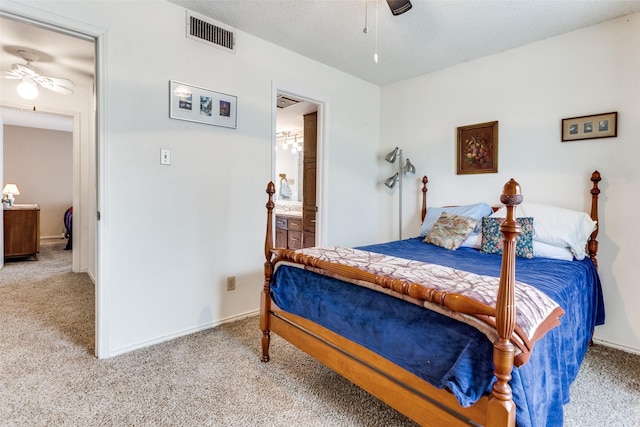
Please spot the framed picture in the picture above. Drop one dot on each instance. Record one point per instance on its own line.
(477, 149)
(590, 127)
(197, 104)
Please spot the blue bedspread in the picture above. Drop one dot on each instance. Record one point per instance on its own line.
(414, 337)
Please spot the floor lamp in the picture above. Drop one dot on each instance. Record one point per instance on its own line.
(407, 169)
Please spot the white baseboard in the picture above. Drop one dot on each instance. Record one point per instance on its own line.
(182, 333)
(616, 346)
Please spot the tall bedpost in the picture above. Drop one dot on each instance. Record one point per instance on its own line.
(501, 408)
(424, 196)
(265, 297)
(593, 242)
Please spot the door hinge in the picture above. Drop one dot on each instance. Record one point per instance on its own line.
(98, 215)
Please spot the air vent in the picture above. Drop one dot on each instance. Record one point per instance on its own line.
(285, 101)
(210, 32)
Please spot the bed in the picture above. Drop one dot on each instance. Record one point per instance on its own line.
(382, 317)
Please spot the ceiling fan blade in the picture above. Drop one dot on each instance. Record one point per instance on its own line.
(10, 74)
(55, 84)
(23, 70)
(47, 83)
(57, 81)
(60, 89)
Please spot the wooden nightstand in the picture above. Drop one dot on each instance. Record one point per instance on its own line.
(22, 231)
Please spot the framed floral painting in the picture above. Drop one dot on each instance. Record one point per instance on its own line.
(477, 149)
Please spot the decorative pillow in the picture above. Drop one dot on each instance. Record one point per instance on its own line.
(565, 228)
(450, 230)
(492, 237)
(475, 211)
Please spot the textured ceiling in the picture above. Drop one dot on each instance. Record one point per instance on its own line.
(432, 35)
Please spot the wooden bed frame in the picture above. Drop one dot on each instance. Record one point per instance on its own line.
(400, 389)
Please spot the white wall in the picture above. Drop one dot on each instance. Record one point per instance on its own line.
(40, 161)
(174, 233)
(529, 90)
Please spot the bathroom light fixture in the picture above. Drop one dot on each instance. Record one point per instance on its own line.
(9, 191)
(407, 169)
(27, 88)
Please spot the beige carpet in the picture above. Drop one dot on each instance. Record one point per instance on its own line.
(49, 377)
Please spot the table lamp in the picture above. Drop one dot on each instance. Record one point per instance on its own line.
(10, 190)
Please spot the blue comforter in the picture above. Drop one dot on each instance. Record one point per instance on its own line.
(449, 354)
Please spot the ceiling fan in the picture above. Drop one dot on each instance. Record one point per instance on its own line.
(31, 78)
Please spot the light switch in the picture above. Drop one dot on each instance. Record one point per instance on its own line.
(165, 156)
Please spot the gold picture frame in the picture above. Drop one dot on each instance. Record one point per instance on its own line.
(590, 127)
(477, 148)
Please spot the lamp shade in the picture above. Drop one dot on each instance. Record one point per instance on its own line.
(409, 169)
(391, 181)
(11, 189)
(391, 157)
(27, 88)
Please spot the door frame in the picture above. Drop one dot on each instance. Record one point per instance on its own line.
(47, 20)
(302, 94)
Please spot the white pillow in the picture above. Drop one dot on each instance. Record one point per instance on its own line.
(561, 227)
(473, 241)
(475, 211)
(544, 250)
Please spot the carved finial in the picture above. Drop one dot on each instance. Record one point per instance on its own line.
(271, 190)
(511, 193)
(595, 179)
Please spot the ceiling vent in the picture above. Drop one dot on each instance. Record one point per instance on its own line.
(285, 101)
(208, 31)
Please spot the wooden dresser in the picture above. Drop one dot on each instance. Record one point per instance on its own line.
(22, 231)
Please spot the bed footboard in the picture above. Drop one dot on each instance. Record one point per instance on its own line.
(351, 360)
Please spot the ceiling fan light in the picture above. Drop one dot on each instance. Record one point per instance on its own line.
(27, 89)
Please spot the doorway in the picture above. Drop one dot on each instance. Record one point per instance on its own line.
(295, 168)
(52, 42)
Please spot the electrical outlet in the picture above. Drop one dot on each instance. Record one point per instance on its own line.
(231, 283)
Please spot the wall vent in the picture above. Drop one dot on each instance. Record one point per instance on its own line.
(208, 31)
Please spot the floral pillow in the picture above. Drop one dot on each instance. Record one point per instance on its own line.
(492, 236)
(450, 230)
